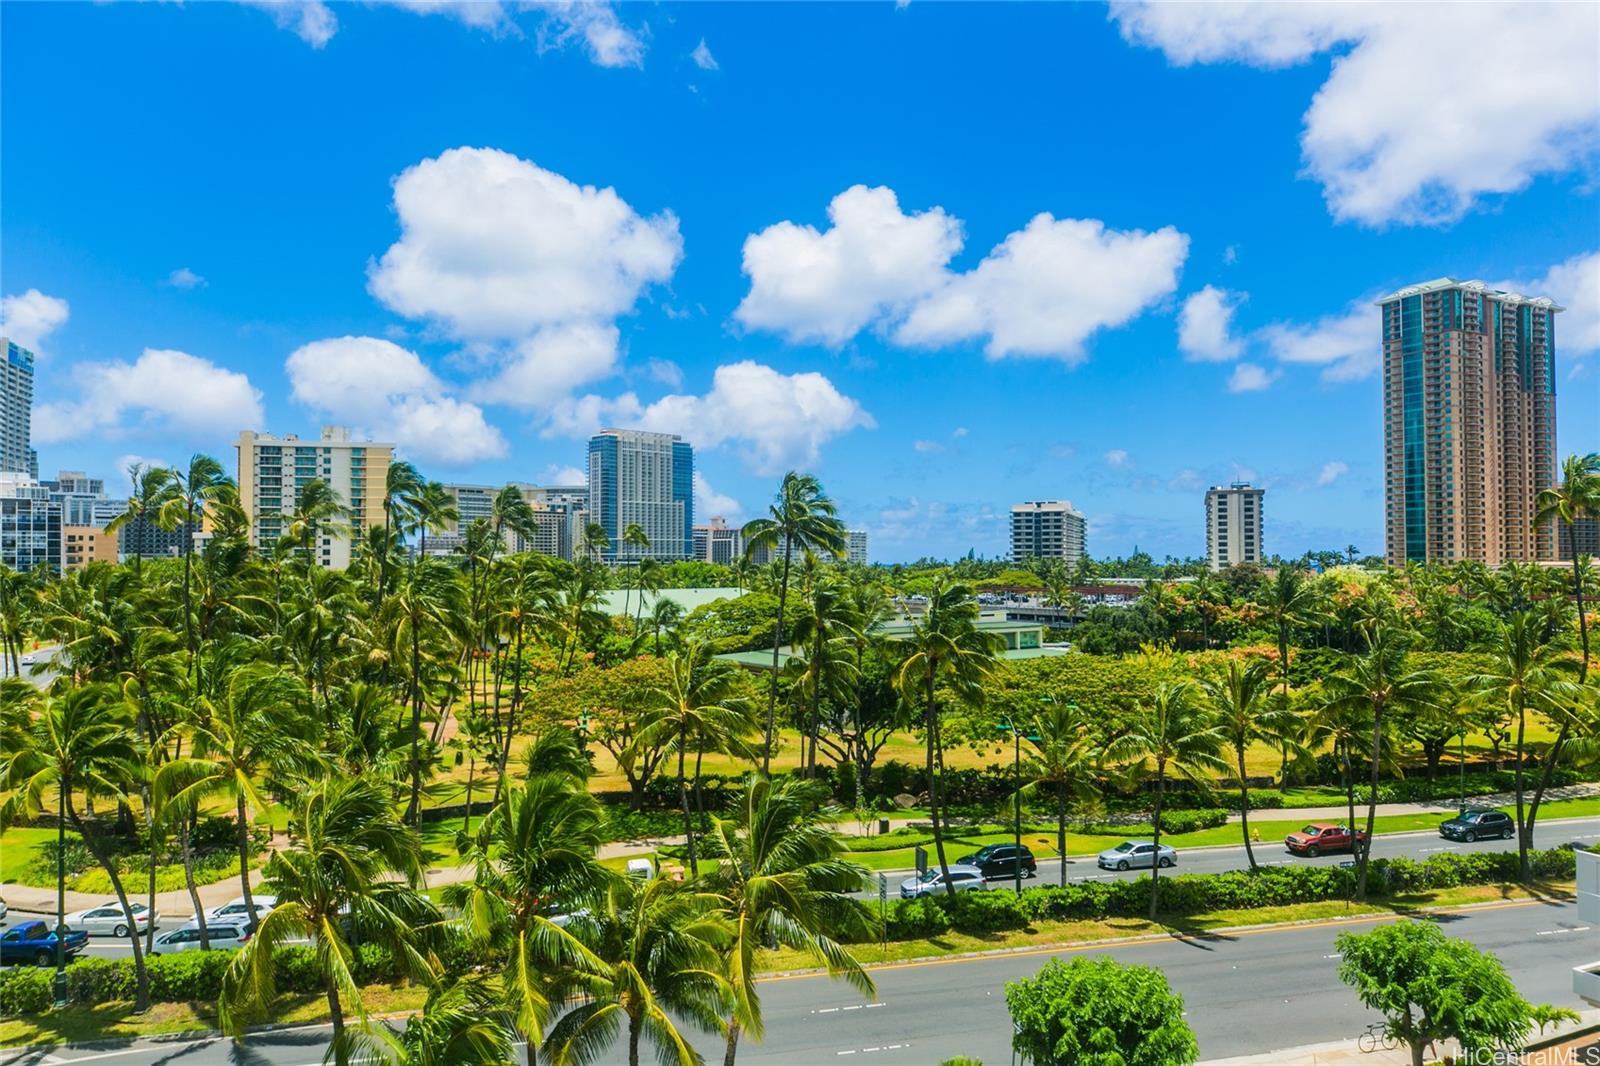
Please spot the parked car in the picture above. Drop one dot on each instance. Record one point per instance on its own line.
(1136, 855)
(1472, 825)
(4, 910)
(234, 911)
(1321, 837)
(218, 937)
(964, 878)
(1000, 860)
(108, 919)
(29, 659)
(34, 942)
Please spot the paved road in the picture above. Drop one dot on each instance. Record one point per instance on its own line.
(41, 672)
(1251, 992)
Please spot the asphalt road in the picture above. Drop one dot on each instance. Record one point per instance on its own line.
(1250, 992)
(41, 672)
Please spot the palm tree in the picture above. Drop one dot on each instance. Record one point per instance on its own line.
(664, 614)
(19, 600)
(191, 491)
(336, 881)
(400, 483)
(80, 743)
(945, 647)
(657, 947)
(1174, 733)
(1247, 711)
(461, 1024)
(1527, 672)
(1062, 764)
(317, 510)
(425, 607)
(596, 541)
(649, 576)
(236, 742)
(698, 706)
(1379, 684)
(533, 853)
(783, 876)
(802, 517)
(1288, 600)
(433, 509)
(633, 536)
(152, 491)
(821, 631)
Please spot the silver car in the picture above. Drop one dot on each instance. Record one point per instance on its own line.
(964, 878)
(218, 937)
(109, 920)
(1136, 855)
(234, 911)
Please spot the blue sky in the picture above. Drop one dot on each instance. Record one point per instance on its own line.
(949, 257)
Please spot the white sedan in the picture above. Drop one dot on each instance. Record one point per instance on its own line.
(218, 937)
(108, 919)
(234, 911)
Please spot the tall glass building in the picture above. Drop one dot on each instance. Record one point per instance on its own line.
(1469, 422)
(643, 479)
(16, 409)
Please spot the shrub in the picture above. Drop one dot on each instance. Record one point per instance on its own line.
(1094, 1012)
(916, 919)
(1193, 821)
(985, 912)
(25, 990)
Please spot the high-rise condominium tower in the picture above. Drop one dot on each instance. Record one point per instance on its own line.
(273, 470)
(16, 408)
(1233, 524)
(1046, 529)
(1469, 422)
(643, 479)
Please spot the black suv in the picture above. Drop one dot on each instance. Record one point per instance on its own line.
(1000, 860)
(1479, 825)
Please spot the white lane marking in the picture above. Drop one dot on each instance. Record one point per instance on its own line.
(825, 1010)
(1335, 955)
(870, 1050)
(1557, 932)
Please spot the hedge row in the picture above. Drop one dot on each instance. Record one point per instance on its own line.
(1186, 894)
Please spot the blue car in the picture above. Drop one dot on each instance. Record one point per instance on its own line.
(34, 942)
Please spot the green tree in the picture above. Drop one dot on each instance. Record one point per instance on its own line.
(1098, 1012)
(1287, 600)
(1063, 764)
(1247, 712)
(783, 877)
(1431, 987)
(1173, 733)
(401, 482)
(945, 648)
(152, 492)
(424, 611)
(191, 490)
(351, 870)
(802, 517)
(318, 510)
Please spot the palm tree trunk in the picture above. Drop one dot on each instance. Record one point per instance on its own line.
(683, 801)
(1155, 860)
(244, 860)
(413, 809)
(1524, 831)
(933, 788)
(141, 997)
(1553, 753)
(699, 793)
(634, 1033)
(184, 843)
(150, 887)
(1364, 850)
(777, 641)
(733, 1043)
(341, 1053)
(1244, 810)
(1061, 828)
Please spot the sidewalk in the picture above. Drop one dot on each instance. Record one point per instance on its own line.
(1341, 813)
(1346, 1053)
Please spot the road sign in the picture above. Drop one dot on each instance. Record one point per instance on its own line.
(922, 861)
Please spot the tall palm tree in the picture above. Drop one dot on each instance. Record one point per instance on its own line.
(400, 483)
(191, 490)
(596, 541)
(657, 945)
(433, 510)
(1174, 733)
(1288, 600)
(649, 576)
(697, 706)
(1380, 685)
(532, 854)
(152, 491)
(237, 741)
(19, 602)
(351, 869)
(1527, 672)
(783, 876)
(802, 517)
(944, 648)
(1248, 711)
(80, 743)
(424, 610)
(317, 510)
(1061, 765)
(461, 1024)
(821, 632)
(633, 536)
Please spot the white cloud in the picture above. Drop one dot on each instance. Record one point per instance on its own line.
(1046, 288)
(1421, 116)
(1186, 480)
(184, 278)
(709, 503)
(776, 421)
(1346, 345)
(927, 447)
(388, 392)
(1575, 285)
(1205, 326)
(703, 58)
(311, 20)
(1248, 377)
(564, 475)
(27, 319)
(1332, 472)
(666, 372)
(608, 42)
(544, 369)
(870, 264)
(1117, 459)
(163, 392)
(495, 247)
(958, 432)
(125, 463)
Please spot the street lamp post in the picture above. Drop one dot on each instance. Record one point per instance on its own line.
(1010, 725)
(1461, 762)
(61, 895)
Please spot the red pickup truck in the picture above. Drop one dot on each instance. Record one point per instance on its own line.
(1321, 837)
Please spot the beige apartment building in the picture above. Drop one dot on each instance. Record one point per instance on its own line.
(1469, 421)
(82, 545)
(273, 469)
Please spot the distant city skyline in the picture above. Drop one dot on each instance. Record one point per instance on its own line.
(1008, 291)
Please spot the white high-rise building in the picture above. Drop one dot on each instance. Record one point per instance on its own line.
(1047, 529)
(1233, 524)
(272, 470)
(16, 410)
(647, 480)
(856, 550)
(717, 542)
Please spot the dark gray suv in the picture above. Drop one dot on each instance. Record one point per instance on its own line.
(1469, 826)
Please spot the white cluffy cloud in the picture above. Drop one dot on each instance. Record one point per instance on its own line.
(184, 278)
(26, 319)
(779, 420)
(388, 392)
(1205, 326)
(1575, 285)
(869, 265)
(708, 502)
(1041, 292)
(1346, 345)
(1248, 377)
(703, 58)
(163, 392)
(310, 20)
(1422, 116)
(1332, 472)
(1118, 459)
